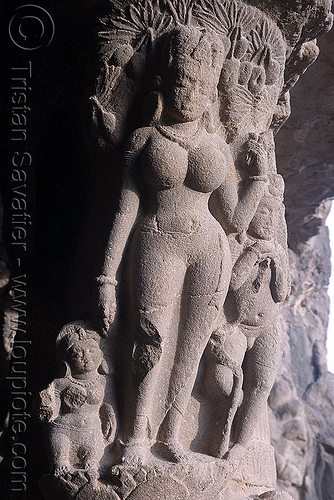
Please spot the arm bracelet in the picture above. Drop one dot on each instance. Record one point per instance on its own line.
(106, 280)
(263, 178)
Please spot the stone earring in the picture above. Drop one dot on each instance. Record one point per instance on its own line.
(103, 368)
(209, 118)
(153, 108)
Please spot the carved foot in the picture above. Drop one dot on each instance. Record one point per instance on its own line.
(172, 450)
(235, 454)
(61, 470)
(134, 454)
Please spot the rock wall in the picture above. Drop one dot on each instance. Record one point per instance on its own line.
(302, 401)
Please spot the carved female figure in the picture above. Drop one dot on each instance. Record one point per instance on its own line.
(178, 250)
(73, 406)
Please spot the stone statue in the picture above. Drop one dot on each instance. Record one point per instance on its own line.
(177, 248)
(195, 263)
(253, 334)
(78, 420)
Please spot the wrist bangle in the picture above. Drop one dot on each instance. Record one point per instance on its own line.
(106, 280)
(262, 178)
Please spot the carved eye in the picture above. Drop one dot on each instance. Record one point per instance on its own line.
(77, 354)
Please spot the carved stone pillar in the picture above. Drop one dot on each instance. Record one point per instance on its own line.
(167, 377)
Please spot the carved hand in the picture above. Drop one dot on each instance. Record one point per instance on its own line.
(104, 298)
(101, 116)
(107, 302)
(108, 419)
(256, 156)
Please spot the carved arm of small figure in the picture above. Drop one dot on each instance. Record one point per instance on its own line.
(243, 267)
(281, 278)
(108, 419)
(48, 404)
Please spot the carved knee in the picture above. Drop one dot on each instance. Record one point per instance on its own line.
(147, 347)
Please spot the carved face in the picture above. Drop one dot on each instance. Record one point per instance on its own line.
(84, 356)
(188, 90)
(264, 222)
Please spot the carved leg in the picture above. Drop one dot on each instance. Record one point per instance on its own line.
(60, 449)
(91, 449)
(137, 445)
(222, 384)
(201, 313)
(262, 363)
(230, 413)
(157, 286)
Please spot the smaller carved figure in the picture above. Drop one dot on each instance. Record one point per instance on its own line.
(259, 281)
(78, 419)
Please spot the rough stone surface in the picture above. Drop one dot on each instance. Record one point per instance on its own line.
(241, 353)
(302, 401)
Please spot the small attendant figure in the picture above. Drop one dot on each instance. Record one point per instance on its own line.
(79, 421)
(252, 337)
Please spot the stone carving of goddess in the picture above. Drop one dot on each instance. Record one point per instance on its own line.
(175, 250)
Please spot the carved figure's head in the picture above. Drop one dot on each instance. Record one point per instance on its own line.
(84, 356)
(79, 348)
(191, 75)
(265, 221)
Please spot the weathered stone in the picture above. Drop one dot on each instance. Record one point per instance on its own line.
(302, 397)
(195, 263)
(78, 418)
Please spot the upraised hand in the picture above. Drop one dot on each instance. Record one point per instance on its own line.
(256, 156)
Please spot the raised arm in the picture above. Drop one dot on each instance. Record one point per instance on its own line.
(237, 207)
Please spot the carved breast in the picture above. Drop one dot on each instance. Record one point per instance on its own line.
(164, 163)
(167, 164)
(206, 170)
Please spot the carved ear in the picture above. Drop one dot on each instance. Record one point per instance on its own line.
(103, 368)
(65, 370)
(209, 119)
